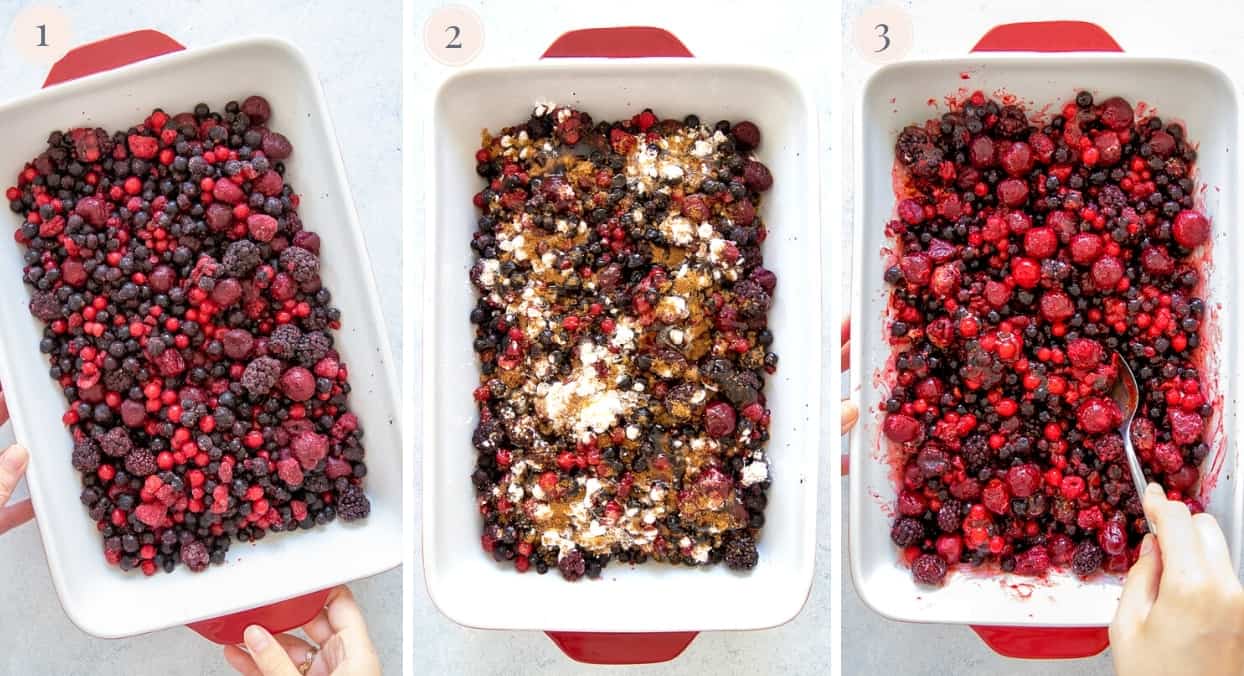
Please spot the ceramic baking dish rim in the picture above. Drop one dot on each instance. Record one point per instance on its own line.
(360, 256)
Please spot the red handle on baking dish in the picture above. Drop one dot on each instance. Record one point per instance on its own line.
(110, 53)
(1047, 643)
(105, 55)
(276, 618)
(623, 42)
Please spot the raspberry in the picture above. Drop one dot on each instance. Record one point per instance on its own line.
(309, 448)
(1034, 562)
(900, 428)
(1190, 228)
(757, 176)
(719, 419)
(746, 134)
(995, 497)
(1099, 415)
(151, 514)
(237, 343)
(260, 375)
(262, 227)
(289, 471)
(1024, 480)
(257, 109)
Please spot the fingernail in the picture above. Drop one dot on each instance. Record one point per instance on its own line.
(14, 458)
(1146, 545)
(256, 637)
(1154, 490)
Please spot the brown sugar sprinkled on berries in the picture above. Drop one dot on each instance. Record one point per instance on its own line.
(622, 335)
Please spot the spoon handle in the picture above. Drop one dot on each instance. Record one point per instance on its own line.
(1133, 463)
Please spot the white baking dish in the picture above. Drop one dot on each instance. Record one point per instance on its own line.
(100, 598)
(1196, 94)
(462, 580)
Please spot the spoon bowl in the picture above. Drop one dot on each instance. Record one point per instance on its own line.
(1127, 394)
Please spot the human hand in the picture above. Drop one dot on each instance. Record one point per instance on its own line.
(1182, 608)
(13, 463)
(344, 648)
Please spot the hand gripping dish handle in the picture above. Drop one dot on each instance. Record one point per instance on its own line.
(1046, 36)
(625, 42)
(109, 54)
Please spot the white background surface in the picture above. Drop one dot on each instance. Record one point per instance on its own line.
(1208, 30)
(361, 86)
(784, 34)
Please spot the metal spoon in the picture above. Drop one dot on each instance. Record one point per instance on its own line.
(1127, 394)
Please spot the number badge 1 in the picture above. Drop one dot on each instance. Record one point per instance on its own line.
(453, 35)
(41, 34)
(883, 34)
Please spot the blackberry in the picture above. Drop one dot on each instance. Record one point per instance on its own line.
(284, 341)
(572, 565)
(44, 306)
(352, 504)
(313, 347)
(260, 375)
(140, 462)
(301, 264)
(195, 555)
(907, 531)
(1087, 558)
(752, 299)
(950, 516)
(116, 443)
(740, 552)
(929, 569)
(241, 258)
(86, 455)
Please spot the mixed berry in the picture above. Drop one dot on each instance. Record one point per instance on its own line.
(621, 329)
(1027, 254)
(185, 320)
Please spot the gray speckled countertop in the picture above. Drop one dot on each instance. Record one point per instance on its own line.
(363, 94)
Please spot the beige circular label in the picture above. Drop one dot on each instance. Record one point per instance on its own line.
(41, 34)
(883, 34)
(453, 35)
